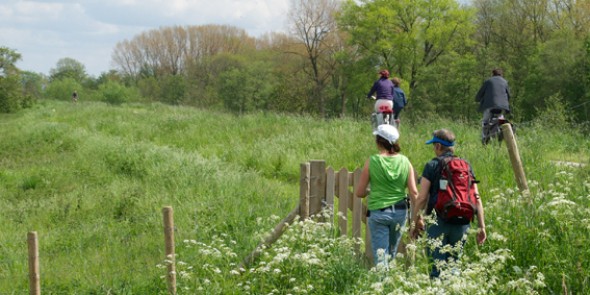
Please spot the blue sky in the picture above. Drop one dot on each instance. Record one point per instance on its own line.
(45, 31)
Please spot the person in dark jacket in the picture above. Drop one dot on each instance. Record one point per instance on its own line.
(399, 101)
(493, 96)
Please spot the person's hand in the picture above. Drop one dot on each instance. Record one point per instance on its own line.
(481, 235)
(417, 229)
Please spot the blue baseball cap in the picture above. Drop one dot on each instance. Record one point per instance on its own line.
(441, 141)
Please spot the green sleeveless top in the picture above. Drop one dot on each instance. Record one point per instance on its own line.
(388, 177)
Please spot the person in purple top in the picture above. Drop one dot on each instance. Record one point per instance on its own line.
(383, 91)
(382, 88)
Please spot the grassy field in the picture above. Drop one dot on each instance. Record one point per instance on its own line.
(92, 179)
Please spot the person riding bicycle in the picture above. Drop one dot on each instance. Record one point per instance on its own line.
(383, 92)
(493, 98)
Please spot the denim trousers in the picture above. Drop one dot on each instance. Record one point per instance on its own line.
(386, 228)
(450, 234)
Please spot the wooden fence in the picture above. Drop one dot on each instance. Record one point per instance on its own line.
(318, 190)
(325, 186)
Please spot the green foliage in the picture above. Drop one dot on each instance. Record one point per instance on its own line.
(68, 68)
(115, 93)
(407, 36)
(16, 91)
(9, 94)
(62, 90)
(246, 89)
(172, 89)
(149, 88)
(555, 114)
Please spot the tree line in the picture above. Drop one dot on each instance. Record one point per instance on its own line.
(326, 61)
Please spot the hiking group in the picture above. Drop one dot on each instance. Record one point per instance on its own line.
(448, 193)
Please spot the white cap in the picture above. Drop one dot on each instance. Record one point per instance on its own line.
(388, 132)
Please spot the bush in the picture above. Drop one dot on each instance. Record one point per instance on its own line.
(114, 93)
(9, 94)
(62, 89)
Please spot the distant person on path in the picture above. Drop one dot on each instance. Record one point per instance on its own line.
(493, 97)
(391, 177)
(399, 101)
(75, 96)
(443, 142)
(383, 90)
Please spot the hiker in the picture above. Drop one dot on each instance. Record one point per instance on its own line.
(399, 101)
(493, 98)
(391, 177)
(75, 96)
(448, 230)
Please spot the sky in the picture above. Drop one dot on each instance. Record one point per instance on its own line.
(45, 31)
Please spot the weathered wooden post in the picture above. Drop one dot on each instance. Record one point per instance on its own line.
(304, 188)
(343, 201)
(169, 239)
(330, 192)
(357, 209)
(317, 192)
(34, 275)
(515, 158)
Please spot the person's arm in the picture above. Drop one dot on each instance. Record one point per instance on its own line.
(373, 90)
(361, 189)
(420, 204)
(481, 225)
(480, 93)
(411, 185)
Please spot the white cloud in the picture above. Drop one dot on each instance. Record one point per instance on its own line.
(45, 31)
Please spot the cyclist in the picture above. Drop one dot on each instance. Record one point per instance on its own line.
(493, 98)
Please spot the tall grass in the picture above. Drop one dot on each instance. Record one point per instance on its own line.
(91, 179)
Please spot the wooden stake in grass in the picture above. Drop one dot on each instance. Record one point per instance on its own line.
(304, 188)
(515, 158)
(169, 238)
(34, 276)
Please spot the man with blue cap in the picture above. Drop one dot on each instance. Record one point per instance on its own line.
(443, 142)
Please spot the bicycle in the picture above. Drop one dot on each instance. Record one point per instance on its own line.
(491, 129)
(383, 113)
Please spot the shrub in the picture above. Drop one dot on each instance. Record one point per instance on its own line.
(114, 93)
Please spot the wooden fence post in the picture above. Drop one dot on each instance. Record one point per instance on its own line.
(169, 239)
(34, 275)
(304, 187)
(357, 210)
(317, 191)
(272, 237)
(515, 158)
(343, 201)
(330, 192)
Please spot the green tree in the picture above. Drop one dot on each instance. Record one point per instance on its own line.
(10, 94)
(406, 36)
(68, 68)
(172, 89)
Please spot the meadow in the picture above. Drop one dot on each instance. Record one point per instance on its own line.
(92, 179)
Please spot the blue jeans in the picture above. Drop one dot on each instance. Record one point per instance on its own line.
(386, 230)
(451, 235)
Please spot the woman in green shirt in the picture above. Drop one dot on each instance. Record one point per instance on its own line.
(391, 178)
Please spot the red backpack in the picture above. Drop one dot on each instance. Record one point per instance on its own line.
(456, 202)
